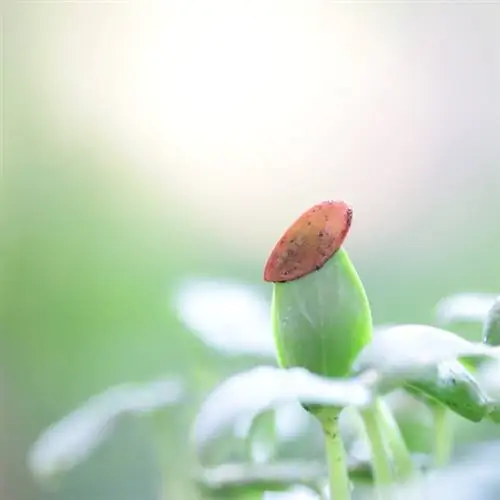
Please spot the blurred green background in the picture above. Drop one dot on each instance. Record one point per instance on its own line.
(146, 143)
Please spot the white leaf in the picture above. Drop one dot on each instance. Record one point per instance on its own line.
(262, 388)
(72, 439)
(464, 308)
(227, 316)
(405, 350)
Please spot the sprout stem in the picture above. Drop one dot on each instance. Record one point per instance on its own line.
(443, 435)
(264, 423)
(340, 486)
(404, 468)
(380, 461)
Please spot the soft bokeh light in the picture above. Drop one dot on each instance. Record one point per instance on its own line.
(153, 153)
(255, 106)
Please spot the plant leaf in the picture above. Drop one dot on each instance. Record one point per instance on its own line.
(262, 388)
(491, 328)
(72, 439)
(323, 320)
(464, 308)
(403, 352)
(229, 316)
(452, 385)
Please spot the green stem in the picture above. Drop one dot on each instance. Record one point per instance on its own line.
(340, 485)
(382, 472)
(263, 428)
(443, 435)
(169, 485)
(404, 468)
(173, 458)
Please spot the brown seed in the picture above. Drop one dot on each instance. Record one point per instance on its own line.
(309, 242)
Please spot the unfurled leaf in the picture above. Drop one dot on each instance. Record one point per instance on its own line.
(72, 439)
(262, 388)
(452, 385)
(464, 308)
(229, 316)
(403, 352)
(491, 328)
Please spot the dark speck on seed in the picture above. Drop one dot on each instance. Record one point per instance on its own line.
(309, 242)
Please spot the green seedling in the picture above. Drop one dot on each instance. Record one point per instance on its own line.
(320, 312)
(322, 325)
(328, 361)
(321, 316)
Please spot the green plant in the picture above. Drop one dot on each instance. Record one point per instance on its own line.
(338, 367)
(322, 323)
(316, 294)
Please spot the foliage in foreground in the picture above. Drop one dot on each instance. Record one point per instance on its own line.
(341, 370)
